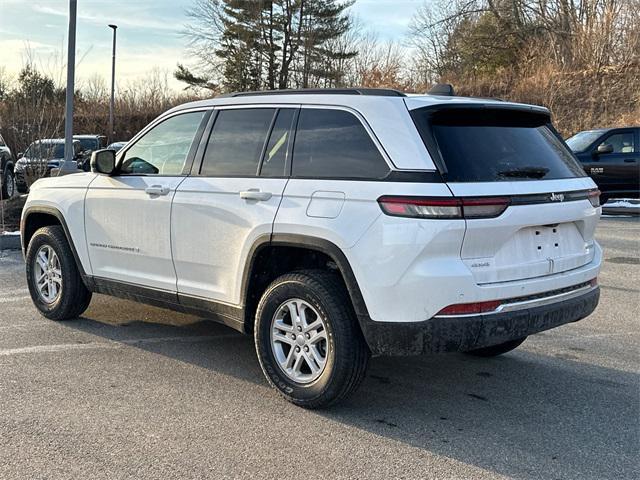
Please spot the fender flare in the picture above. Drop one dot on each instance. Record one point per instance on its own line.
(54, 212)
(312, 243)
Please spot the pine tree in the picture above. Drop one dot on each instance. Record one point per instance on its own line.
(267, 44)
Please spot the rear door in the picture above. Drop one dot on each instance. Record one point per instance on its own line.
(516, 156)
(230, 200)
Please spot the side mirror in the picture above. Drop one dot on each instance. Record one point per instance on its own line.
(20, 155)
(604, 148)
(103, 161)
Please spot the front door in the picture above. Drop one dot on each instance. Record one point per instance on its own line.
(616, 171)
(230, 200)
(128, 215)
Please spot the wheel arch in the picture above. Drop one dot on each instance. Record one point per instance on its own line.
(252, 285)
(36, 217)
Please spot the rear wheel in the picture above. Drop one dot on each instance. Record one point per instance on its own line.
(308, 341)
(53, 278)
(496, 350)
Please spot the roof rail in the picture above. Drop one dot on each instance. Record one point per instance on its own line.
(444, 89)
(381, 92)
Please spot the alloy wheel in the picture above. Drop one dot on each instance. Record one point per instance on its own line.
(47, 274)
(299, 340)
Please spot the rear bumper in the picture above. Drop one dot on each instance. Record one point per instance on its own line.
(463, 333)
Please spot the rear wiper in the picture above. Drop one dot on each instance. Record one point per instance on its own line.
(525, 172)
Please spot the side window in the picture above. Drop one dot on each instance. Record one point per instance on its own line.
(335, 144)
(621, 142)
(163, 150)
(236, 142)
(275, 156)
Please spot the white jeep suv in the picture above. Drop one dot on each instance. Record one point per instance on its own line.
(332, 225)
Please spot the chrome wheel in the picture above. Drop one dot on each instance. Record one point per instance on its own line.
(299, 340)
(47, 274)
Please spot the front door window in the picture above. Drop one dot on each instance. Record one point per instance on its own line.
(163, 150)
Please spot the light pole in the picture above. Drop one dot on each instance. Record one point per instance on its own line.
(113, 83)
(68, 164)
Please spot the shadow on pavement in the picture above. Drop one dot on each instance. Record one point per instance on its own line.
(522, 415)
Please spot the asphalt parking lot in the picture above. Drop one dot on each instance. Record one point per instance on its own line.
(130, 391)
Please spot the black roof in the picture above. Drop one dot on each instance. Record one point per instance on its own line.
(381, 92)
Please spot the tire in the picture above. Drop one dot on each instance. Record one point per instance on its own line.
(8, 184)
(22, 187)
(72, 297)
(495, 350)
(346, 352)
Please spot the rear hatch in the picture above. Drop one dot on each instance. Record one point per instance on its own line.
(512, 156)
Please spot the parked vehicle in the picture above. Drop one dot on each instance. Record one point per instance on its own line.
(7, 179)
(115, 146)
(611, 156)
(331, 225)
(90, 143)
(39, 159)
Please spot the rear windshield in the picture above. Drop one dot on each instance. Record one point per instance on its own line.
(485, 145)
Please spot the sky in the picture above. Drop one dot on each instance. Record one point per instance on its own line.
(148, 37)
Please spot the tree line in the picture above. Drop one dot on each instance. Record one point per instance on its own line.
(580, 58)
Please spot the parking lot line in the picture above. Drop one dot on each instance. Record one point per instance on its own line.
(112, 344)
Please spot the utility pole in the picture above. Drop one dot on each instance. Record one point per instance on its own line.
(113, 84)
(69, 165)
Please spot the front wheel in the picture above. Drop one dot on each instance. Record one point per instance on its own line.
(22, 188)
(53, 278)
(8, 184)
(495, 350)
(308, 341)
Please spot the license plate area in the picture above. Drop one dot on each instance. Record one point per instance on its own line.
(547, 241)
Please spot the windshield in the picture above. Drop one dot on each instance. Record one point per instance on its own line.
(45, 151)
(492, 145)
(53, 151)
(581, 140)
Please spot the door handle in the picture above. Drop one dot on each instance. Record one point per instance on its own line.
(629, 160)
(255, 194)
(156, 190)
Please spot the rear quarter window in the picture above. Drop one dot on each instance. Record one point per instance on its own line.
(493, 145)
(332, 143)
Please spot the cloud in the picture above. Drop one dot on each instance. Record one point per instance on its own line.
(122, 18)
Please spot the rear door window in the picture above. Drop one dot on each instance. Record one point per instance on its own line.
(492, 145)
(332, 143)
(237, 141)
(276, 154)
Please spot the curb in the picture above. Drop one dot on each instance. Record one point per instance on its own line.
(10, 242)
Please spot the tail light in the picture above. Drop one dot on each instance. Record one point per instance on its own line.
(438, 207)
(594, 197)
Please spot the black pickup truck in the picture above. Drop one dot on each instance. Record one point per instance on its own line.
(611, 156)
